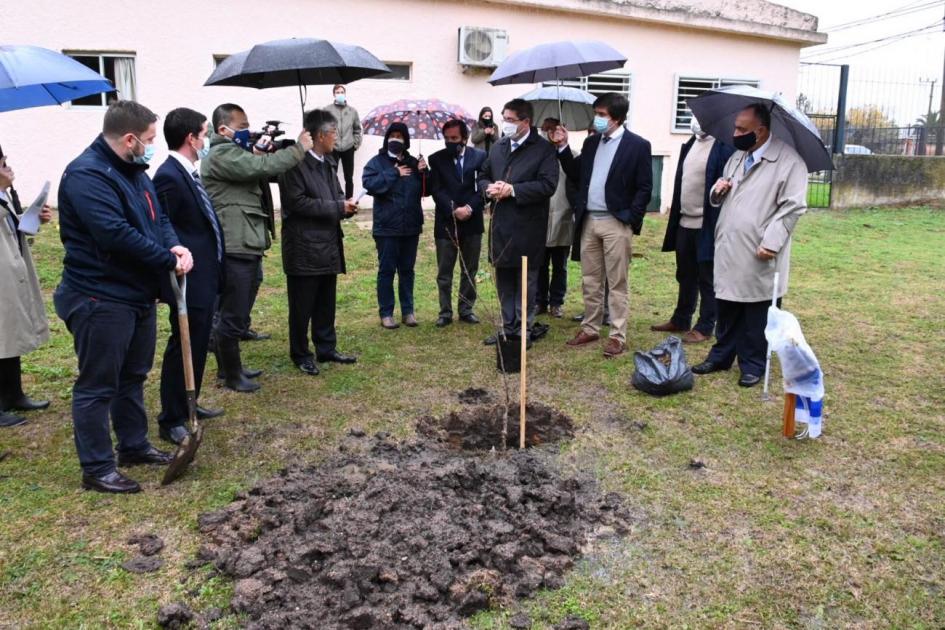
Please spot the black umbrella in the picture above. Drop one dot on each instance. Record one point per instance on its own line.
(301, 62)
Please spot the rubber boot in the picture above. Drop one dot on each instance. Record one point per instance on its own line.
(228, 352)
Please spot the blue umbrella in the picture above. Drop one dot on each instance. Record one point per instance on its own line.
(572, 106)
(31, 76)
(716, 110)
(557, 60)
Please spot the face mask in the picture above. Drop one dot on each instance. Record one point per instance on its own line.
(697, 128)
(340, 99)
(241, 138)
(454, 148)
(205, 151)
(601, 124)
(486, 120)
(509, 129)
(745, 142)
(395, 146)
(148, 153)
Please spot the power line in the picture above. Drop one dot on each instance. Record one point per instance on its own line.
(903, 10)
(836, 49)
(834, 56)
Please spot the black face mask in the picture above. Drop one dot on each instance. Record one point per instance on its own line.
(395, 146)
(745, 142)
(454, 148)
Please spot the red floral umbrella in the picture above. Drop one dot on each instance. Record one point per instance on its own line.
(424, 118)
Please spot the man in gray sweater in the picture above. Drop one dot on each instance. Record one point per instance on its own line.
(349, 135)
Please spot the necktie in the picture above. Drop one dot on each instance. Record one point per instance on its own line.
(514, 146)
(459, 168)
(211, 215)
(605, 139)
(749, 161)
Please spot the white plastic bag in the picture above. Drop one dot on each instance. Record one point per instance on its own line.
(799, 367)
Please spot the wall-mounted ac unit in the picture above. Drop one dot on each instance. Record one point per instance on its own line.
(482, 47)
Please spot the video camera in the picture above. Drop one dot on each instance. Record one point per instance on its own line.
(266, 140)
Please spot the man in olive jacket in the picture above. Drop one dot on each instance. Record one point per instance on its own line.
(313, 254)
(234, 174)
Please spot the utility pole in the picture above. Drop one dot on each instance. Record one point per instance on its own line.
(940, 131)
(924, 129)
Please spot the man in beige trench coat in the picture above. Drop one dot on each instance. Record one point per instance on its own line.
(23, 324)
(762, 193)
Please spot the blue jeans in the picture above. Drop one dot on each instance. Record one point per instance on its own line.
(395, 254)
(114, 343)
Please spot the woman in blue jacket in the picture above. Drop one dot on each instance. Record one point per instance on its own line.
(395, 179)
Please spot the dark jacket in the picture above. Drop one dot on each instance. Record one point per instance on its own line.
(450, 192)
(313, 206)
(629, 181)
(116, 237)
(183, 205)
(520, 223)
(718, 156)
(397, 210)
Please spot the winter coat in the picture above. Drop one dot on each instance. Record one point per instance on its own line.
(561, 213)
(22, 314)
(349, 126)
(397, 210)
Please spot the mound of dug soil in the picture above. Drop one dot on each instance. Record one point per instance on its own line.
(403, 535)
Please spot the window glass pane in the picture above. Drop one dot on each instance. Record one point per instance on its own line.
(398, 72)
(91, 62)
(690, 87)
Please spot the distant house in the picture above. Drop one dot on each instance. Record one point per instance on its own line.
(161, 53)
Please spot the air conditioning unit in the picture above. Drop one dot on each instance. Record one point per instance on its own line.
(482, 47)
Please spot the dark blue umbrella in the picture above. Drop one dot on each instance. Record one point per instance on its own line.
(557, 60)
(31, 76)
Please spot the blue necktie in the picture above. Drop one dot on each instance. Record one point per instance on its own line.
(211, 215)
(514, 146)
(459, 168)
(749, 161)
(605, 139)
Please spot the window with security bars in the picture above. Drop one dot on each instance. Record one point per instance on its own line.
(689, 87)
(597, 84)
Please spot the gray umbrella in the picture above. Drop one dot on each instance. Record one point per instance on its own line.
(716, 110)
(297, 61)
(572, 106)
(557, 60)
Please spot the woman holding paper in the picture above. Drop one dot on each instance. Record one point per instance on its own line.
(23, 325)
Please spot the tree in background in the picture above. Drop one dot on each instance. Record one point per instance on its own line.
(930, 126)
(870, 126)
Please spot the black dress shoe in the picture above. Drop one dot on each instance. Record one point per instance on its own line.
(251, 335)
(113, 482)
(336, 357)
(489, 341)
(150, 455)
(25, 403)
(538, 331)
(707, 367)
(443, 321)
(308, 366)
(10, 420)
(469, 318)
(174, 434)
(205, 414)
(749, 380)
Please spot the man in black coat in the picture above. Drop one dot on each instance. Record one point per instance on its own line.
(458, 225)
(191, 213)
(690, 232)
(615, 175)
(313, 206)
(519, 176)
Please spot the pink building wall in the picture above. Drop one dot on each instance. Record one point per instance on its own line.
(173, 42)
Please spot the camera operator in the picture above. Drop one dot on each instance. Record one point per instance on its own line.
(236, 175)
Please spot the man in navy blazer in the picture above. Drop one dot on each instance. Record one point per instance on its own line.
(458, 225)
(192, 216)
(615, 179)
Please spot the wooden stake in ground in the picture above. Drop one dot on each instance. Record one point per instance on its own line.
(790, 404)
(523, 377)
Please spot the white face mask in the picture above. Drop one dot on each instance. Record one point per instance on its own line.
(205, 151)
(509, 129)
(696, 128)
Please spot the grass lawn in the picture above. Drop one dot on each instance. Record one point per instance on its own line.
(818, 194)
(847, 531)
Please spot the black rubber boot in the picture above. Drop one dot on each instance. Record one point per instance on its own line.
(228, 353)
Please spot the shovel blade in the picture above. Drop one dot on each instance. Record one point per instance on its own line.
(183, 457)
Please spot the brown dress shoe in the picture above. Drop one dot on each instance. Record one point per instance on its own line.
(389, 323)
(667, 327)
(582, 338)
(410, 320)
(556, 311)
(694, 336)
(614, 348)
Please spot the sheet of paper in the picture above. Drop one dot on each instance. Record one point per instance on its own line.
(29, 221)
(360, 195)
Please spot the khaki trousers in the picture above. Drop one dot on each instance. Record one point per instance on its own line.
(605, 254)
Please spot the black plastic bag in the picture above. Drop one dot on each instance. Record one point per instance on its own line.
(662, 370)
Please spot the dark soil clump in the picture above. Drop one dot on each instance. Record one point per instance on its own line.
(405, 535)
(475, 396)
(480, 428)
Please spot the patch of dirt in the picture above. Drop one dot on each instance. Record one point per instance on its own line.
(414, 534)
(475, 396)
(480, 428)
(148, 544)
(143, 564)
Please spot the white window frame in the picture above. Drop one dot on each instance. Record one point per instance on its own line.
(101, 70)
(715, 81)
(588, 85)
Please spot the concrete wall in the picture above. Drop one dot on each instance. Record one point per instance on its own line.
(887, 180)
(174, 41)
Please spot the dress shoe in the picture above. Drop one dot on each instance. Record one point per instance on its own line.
(707, 367)
(389, 323)
(336, 357)
(150, 455)
(205, 414)
(308, 366)
(114, 482)
(247, 373)
(489, 341)
(228, 355)
(251, 335)
(538, 331)
(443, 321)
(174, 434)
(556, 311)
(614, 348)
(25, 403)
(410, 320)
(694, 336)
(667, 327)
(469, 318)
(749, 380)
(582, 338)
(10, 420)
(542, 309)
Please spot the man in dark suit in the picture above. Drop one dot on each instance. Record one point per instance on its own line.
(458, 224)
(191, 214)
(313, 206)
(520, 176)
(615, 176)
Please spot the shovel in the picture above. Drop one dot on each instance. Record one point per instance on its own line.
(188, 448)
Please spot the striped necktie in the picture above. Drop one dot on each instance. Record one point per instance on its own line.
(211, 215)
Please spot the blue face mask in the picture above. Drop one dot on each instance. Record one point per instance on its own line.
(205, 151)
(601, 124)
(241, 138)
(148, 153)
